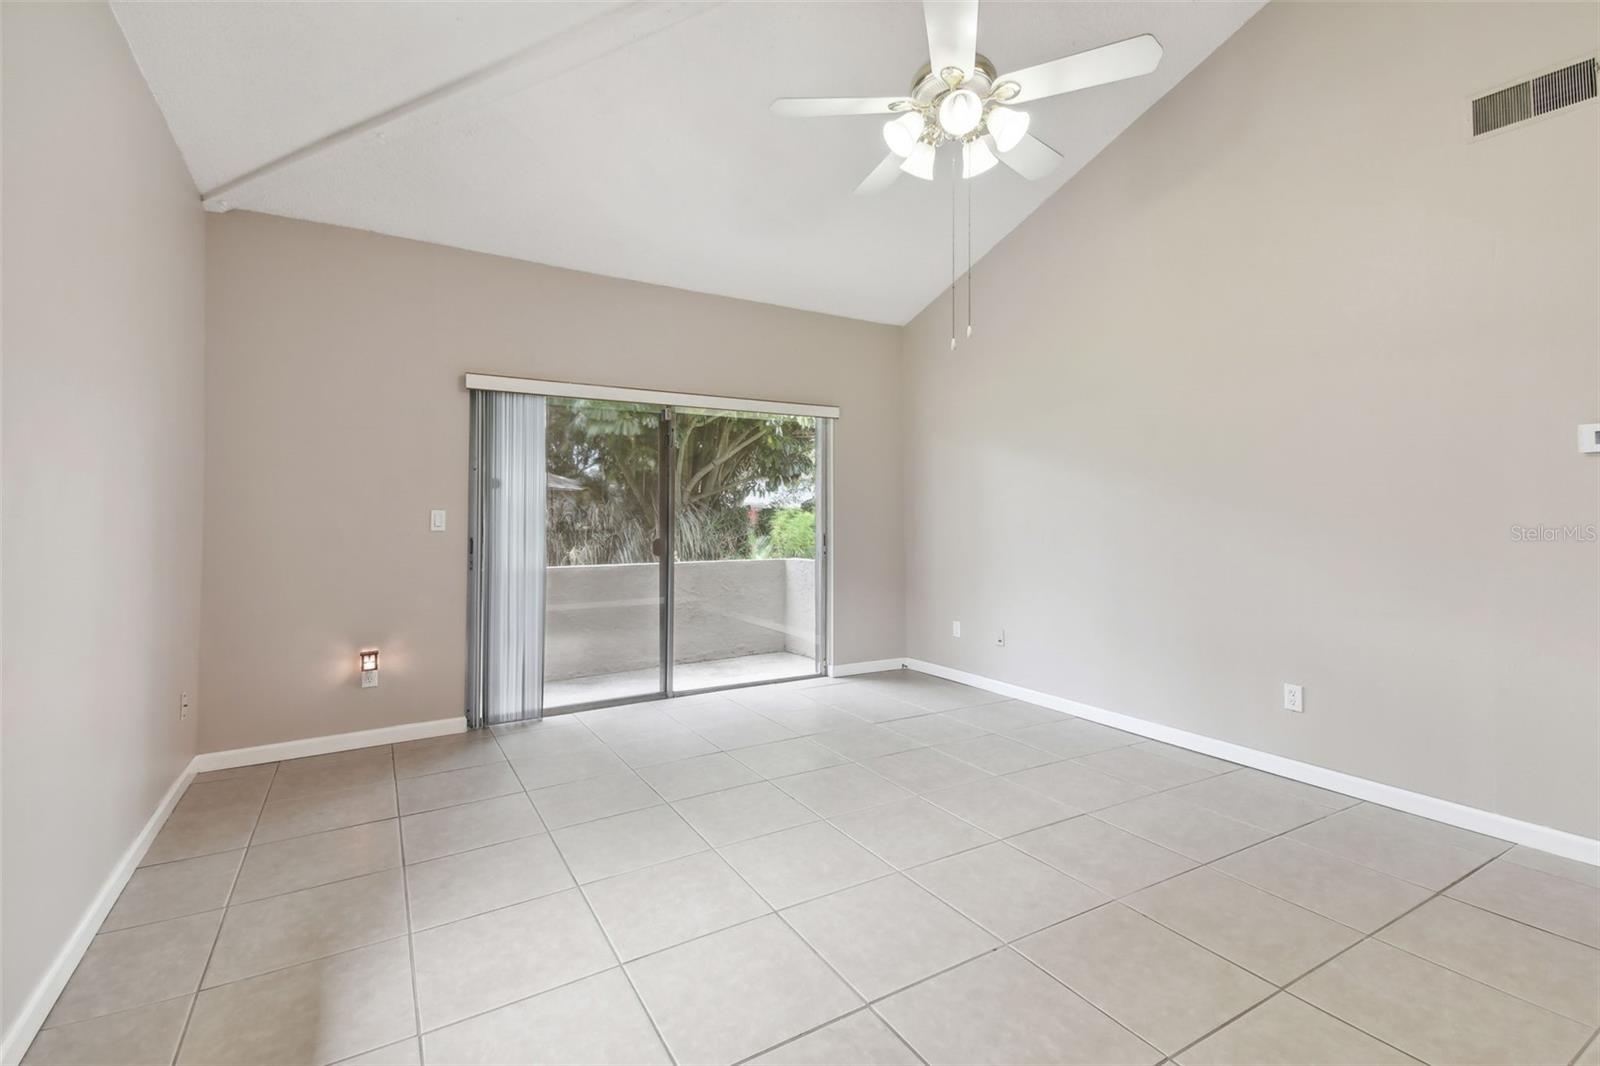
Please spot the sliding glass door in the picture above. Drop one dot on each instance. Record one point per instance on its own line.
(684, 550)
(604, 565)
(745, 594)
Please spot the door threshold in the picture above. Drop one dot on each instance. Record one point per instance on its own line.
(655, 697)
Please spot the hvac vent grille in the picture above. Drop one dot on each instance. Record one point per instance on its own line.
(1538, 96)
(1565, 86)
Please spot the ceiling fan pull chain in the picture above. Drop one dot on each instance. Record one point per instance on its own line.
(953, 176)
(969, 258)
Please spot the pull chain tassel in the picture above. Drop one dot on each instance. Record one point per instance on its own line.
(969, 258)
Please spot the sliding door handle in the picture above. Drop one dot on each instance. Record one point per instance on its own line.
(657, 546)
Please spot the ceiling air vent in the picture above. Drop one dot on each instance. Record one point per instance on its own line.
(1537, 96)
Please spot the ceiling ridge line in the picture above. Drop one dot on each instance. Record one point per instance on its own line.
(542, 61)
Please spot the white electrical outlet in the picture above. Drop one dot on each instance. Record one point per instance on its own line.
(955, 629)
(1293, 699)
(183, 706)
(1000, 640)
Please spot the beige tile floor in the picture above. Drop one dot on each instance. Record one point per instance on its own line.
(884, 869)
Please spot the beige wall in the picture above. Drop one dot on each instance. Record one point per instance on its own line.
(1258, 398)
(103, 343)
(337, 420)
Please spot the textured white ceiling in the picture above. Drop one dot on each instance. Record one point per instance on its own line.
(637, 141)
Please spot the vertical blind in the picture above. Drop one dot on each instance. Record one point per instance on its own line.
(505, 601)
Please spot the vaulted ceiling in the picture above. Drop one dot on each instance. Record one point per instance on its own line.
(628, 139)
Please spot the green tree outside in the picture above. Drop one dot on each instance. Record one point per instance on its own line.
(603, 503)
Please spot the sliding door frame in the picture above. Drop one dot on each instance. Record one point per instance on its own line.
(666, 537)
(669, 402)
(822, 647)
(824, 546)
(573, 390)
(662, 545)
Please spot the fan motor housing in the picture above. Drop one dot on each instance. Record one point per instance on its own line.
(927, 86)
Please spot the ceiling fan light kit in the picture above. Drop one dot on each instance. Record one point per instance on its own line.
(957, 98)
(977, 157)
(960, 111)
(901, 134)
(1006, 126)
(919, 161)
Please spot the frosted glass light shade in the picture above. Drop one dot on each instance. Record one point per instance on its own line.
(960, 112)
(976, 158)
(901, 134)
(919, 164)
(1008, 127)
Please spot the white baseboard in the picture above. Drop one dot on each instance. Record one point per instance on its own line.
(871, 667)
(16, 1040)
(299, 749)
(1542, 837)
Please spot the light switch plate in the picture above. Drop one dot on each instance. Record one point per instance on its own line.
(436, 521)
(1589, 437)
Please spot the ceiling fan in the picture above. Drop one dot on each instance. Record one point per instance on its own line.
(957, 98)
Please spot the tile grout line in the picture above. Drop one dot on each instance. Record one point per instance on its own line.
(876, 1013)
(851, 761)
(1590, 1043)
(411, 944)
(1119, 900)
(865, 1008)
(1510, 918)
(522, 789)
(287, 891)
(311, 792)
(1481, 863)
(1056, 758)
(595, 918)
(717, 850)
(861, 762)
(216, 937)
(1277, 988)
(773, 912)
(1477, 980)
(894, 870)
(1288, 989)
(1567, 878)
(1092, 1004)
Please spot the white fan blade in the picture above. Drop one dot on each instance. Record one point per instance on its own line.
(882, 176)
(829, 106)
(1031, 158)
(952, 33)
(1112, 62)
